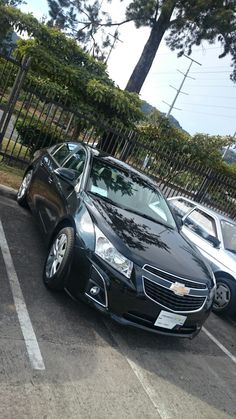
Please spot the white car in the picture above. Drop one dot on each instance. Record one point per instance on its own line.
(215, 237)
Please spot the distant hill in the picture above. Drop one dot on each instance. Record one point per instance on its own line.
(146, 108)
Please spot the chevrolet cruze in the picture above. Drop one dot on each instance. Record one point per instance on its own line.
(114, 242)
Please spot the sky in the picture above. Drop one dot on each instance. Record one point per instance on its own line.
(210, 103)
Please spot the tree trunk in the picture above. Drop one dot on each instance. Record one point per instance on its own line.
(144, 64)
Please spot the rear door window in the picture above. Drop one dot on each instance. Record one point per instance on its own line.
(76, 162)
(63, 152)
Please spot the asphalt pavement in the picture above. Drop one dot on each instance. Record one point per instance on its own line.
(91, 367)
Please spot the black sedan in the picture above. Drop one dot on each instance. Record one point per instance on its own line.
(113, 241)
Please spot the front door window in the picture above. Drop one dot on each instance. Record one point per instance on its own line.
(201, 224)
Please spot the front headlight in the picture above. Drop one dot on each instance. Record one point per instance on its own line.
(105, 249)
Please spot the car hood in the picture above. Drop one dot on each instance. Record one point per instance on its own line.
(147, 242)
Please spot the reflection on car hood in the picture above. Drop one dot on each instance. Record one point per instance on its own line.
(145, 241)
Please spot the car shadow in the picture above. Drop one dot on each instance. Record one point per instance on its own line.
(72, 336)
(190, 368)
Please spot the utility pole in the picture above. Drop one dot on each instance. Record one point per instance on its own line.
(178, 91)
(115, 39)
(227, 148)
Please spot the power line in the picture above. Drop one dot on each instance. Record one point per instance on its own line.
(219, 97)
(209, 106)
(211, 78)
(211, 72)
(216, 66)
(194, 72)
(202, 85)
(211, 114)
(193, 50)
(199, 79)
(212, 85)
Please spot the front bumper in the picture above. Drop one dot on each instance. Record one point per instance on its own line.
(124, 300)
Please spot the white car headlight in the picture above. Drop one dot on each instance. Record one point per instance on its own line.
(105, 249)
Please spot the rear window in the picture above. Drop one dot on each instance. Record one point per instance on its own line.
(229, 235)
(63, 152)
(76, 162)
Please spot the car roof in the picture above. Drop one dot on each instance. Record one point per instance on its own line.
(206, 209)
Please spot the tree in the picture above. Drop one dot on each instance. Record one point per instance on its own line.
(187, 23)
(12, 3)
(202, 148)
(83, 19)
(6, 32)
(60, 63)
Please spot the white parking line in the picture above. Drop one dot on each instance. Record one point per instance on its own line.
(31, 343)
(222, 347)
(159, 407)
(161, 411)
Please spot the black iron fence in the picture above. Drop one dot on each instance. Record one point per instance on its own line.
(33, 116)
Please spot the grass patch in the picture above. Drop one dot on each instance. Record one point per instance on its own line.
(14, 148)
(10, 176)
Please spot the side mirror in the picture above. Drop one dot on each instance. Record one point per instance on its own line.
(214, 241)
(178, 219)
(179, 222)
(66, 174)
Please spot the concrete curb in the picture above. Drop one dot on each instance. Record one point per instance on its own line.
(8, 192)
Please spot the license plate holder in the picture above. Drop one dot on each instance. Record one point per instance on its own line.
(169, 320)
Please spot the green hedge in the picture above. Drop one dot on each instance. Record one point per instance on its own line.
(36, 134)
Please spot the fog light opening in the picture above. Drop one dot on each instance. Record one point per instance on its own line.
(96, 288)
(94, 291)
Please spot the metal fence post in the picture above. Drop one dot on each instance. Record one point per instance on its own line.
(15, 92)
(204, 187)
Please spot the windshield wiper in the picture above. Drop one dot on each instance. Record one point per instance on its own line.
(149, 217)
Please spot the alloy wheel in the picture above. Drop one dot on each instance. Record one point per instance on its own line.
(222, 297)
(56, 255)
(24, 185)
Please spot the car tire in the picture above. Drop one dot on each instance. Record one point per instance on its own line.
(59, 258)
(225, 299)
(21, 196)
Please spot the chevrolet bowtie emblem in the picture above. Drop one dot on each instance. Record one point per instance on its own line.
(180, 289)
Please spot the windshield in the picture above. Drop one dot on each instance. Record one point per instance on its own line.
(229, 235)
(130, 191)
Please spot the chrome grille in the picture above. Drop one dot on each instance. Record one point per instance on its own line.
(173, 278)
(166, 297)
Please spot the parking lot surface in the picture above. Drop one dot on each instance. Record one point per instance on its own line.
(90, 367)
